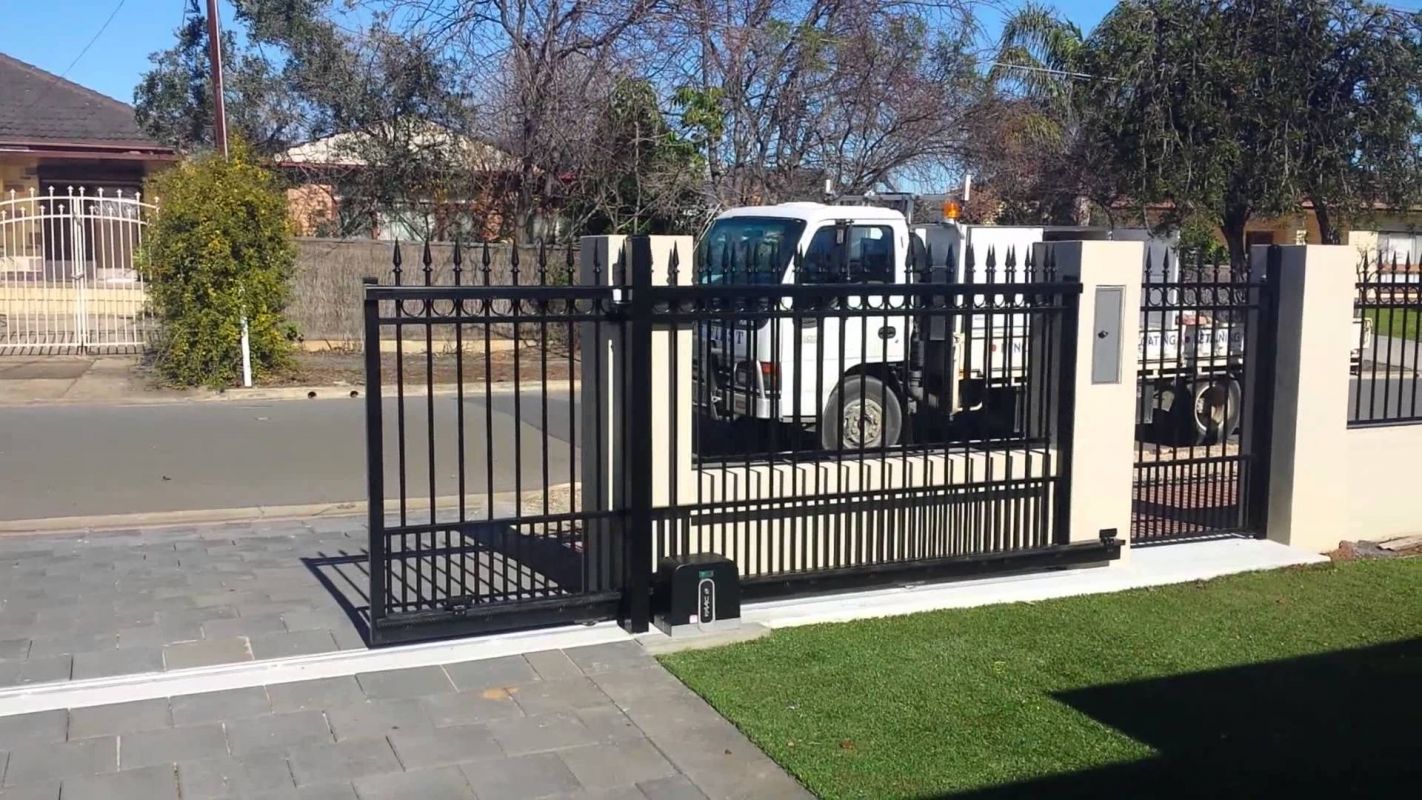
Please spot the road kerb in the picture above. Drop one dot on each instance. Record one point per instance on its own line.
(163, 519)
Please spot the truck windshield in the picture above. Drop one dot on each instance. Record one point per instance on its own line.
(754, 250)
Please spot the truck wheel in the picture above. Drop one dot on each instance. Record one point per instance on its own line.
(1210, 414)
(862, 413)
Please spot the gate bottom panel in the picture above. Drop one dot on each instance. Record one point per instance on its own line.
(881, 536)
(498, 574)
(1191, 498)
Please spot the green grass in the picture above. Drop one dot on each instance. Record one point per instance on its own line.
(1299, 683)
(1398, 322)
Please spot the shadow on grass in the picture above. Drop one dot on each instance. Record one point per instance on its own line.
(1347, 723)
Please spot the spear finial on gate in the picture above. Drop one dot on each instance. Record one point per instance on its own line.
(427, 258)
(513, 261)
(968, 264)
(458, 262)
(396, 259)
(674, 264)
(484, 263)
(991, 264)
(568, 265)
(542, 263)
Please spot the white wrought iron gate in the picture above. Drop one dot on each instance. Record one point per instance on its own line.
(68, 282)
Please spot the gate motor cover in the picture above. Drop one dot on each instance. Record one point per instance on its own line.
(697, 593)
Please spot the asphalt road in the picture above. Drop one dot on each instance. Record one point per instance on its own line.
(81, 460)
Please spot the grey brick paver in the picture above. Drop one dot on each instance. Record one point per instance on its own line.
(36, 763)
(547, 697)
(676, 787)
(540, 734)
(227, 776)
(343, 761)
(35, 727)
(609, 657)
(298, 643)
(207, 652)
(607, 765)
(403, 683)
(277, 731)
(446, 783)
(470, 708)
(151, 748)
(119, 661)
(243, 626)
(444, 747)
(36, 670)
(377, 718)
(48, 790)
(111, 720)
(319, 694)
(152, 783)
(608, 723)
(553, 664)
(491, 673)
(532, 777)
(223, 706)
(72, 643)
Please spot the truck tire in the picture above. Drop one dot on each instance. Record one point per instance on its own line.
(861, 402)
(1210, 411)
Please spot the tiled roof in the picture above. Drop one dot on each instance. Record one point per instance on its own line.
(37, 107)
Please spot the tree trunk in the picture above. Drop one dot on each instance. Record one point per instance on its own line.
(1327, 228)
(1232, 225)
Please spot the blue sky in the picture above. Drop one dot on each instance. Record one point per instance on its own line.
(52, 34)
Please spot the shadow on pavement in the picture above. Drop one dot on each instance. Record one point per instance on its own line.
(347, 578)
(1342, 724)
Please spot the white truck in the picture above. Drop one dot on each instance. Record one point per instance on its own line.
(856, 377)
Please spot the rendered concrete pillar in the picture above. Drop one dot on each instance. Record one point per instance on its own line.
(606, 261)
(1307, 498)
(1102, 426)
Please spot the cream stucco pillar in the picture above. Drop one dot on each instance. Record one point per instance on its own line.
(1308, 467)
(1107, 335)
(605, 260)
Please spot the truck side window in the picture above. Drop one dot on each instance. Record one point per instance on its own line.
(871, 256)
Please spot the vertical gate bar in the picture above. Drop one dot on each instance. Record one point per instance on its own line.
(374, 464)
(1066, 412)
(637, 421)
(1261, 444)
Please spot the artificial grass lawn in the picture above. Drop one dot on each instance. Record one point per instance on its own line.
(1301, 682)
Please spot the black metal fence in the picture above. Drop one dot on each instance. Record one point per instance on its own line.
(1201, 460)
(1388, 327)
(844, 425)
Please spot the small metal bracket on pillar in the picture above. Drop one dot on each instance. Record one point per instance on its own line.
(1108, 536)
(637, 397)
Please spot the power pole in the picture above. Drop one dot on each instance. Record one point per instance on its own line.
(214, 52)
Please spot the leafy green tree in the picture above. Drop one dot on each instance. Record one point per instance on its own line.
(647, 179)
(1233, 109)
(173, 100)
(220, 249)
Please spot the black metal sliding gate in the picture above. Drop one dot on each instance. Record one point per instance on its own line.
(1204, 399)
(537, 446)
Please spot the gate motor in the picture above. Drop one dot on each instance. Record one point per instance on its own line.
(698, 593)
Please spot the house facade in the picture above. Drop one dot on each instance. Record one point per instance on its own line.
(72, 166)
